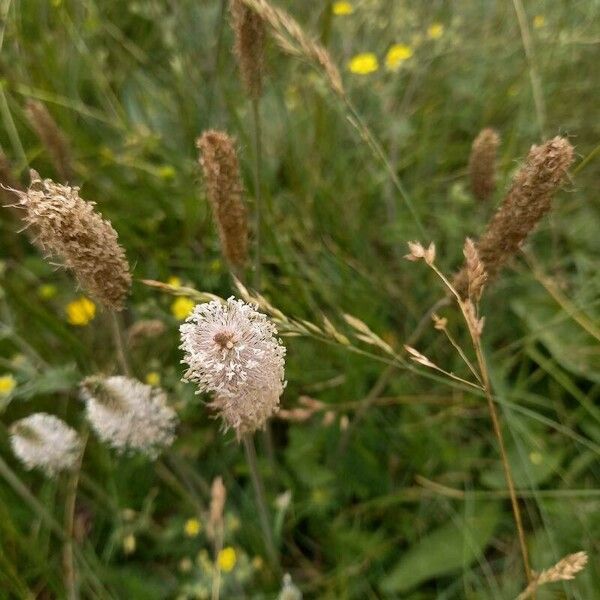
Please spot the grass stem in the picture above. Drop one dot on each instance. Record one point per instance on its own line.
(259, 494)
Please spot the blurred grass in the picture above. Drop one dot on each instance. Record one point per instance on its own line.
(132, 85)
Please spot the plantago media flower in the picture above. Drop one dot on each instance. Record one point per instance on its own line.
(68, 227)
(44, 441)
(363, 64)
(129, 415)
(231, 350)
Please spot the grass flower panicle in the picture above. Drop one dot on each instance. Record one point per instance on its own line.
(219, 162)
(249, 30)
(45, 441)
(66, 226)
(526, 203)
(482, 164)
(129, 415)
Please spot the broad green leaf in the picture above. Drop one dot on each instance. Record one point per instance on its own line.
(449, 548)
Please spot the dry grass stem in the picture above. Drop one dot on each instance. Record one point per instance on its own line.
(68, 227)
(564, 570)
(218, 159)
(482, 164)
(52, 138)
(526, 203)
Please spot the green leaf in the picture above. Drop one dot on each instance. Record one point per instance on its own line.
(449, 548)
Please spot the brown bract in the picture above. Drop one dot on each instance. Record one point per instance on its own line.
(526, 203)
(68, 227)
(219, 163)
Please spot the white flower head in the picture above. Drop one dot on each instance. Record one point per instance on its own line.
(47, 442)
(129, 415)
(232, 350)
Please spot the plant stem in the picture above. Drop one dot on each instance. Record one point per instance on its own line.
(259, 494)
(503, 455)
(71, 579)
(119, 343)
(256, 134)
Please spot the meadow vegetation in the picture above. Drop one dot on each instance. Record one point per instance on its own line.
(437, 434)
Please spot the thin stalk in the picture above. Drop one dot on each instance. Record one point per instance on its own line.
(365, 132)
(536, 83)
(256, 169)
(71, 578)
(216, 579)
(487, 389)
(261, 504)
(503, 455)
(119, 343)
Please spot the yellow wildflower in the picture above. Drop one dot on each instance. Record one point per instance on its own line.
(182, 307)
(47, 291)
(174, 281)
(192, 527)
(227, 559)
(341, 9)
(129, 544)
(363, 64)
(7, 384)
(81, 311)
(435, 31)
(539, 21)
(153, 378)
(396, 55)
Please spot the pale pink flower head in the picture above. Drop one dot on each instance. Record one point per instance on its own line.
(46, 442)
(129, 415)
(232, 350)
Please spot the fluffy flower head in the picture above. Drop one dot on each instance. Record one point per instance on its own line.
(129, 415)
(232, 350)
(44, 441)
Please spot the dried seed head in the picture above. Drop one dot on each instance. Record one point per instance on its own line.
(129, 415)
(482, 164)
(249, 30)
(68, 227)
(293, 40)
(564, 570)
(52, 138)
(476, 275)
(44, 441)
(219, 163)
(526, 203)
(417, 252)
(231, 350)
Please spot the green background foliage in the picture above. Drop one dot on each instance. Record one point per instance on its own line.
(408, 500)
